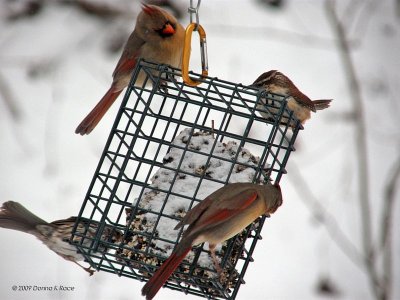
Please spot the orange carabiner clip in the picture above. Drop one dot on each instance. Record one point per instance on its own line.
(186, 54)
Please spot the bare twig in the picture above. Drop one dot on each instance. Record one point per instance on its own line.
(361, 151)
(390, 191)
(324, 217)
(99, 10)
(387, 225)
(361, 141)
(32, 8)
(26, 9)
(349, 13)
(364, 18)
(9, 100)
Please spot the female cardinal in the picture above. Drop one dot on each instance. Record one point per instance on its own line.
(220, 216)
(55, 235)
(277, 83)
(157, 37)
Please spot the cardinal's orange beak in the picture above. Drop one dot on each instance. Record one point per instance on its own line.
(168, 29)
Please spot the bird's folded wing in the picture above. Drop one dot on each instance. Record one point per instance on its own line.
(215, 210)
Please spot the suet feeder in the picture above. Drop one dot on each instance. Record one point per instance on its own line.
(171, 145)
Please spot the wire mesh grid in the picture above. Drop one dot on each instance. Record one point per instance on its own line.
(172, 145)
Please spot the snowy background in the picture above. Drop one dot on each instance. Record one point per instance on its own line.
(56, 64)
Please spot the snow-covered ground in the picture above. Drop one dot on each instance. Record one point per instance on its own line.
(56, 68)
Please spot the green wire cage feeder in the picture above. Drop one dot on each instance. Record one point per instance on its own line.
(172, 145)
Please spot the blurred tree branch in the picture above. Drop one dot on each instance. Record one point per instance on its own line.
(387, 225)
(31, 8)
(100, 10)
(25, 10)
(97, 9)
(398, 8)
(380, 283)
(323, 216)
(390, 193)
(9, 100)
(356, 17)
(361, 140)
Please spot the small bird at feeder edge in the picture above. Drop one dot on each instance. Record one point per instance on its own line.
(277, 83)
(55, 235)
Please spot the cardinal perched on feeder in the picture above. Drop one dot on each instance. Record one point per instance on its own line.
(157, 37)
(277, 83)
(55, 235)
(220, 216)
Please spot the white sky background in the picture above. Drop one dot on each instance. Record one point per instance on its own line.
(48, 168)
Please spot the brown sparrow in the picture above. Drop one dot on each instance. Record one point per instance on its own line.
(277, 83)
(56, 235)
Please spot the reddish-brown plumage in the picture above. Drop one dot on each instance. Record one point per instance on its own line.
(157, 37)
(148, 9)
(126, 65)
(163, 273)
(220, 216)
(225, 213)
(98, 112)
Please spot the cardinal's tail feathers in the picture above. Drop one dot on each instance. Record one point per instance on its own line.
(151, 288)
(97, 113)
(15, 216)
(322, 103)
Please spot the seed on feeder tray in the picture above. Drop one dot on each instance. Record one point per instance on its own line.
(168, 159)
(180, 213)
(185, 139)
(200, 170)
(151, 203)
(240, 168)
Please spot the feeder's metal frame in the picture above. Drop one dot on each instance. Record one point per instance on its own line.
(214, 96)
